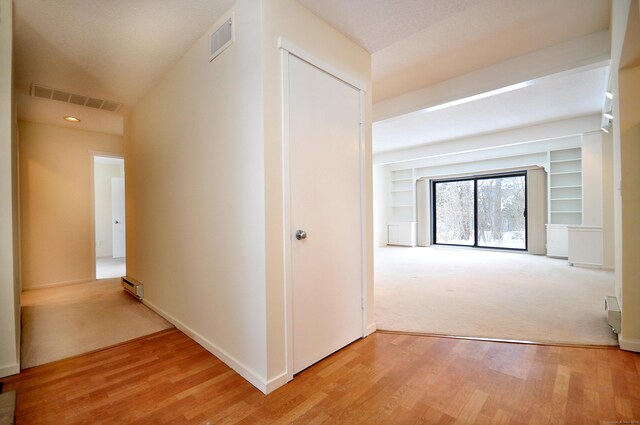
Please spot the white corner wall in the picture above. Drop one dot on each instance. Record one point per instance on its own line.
(608, 225)
(592, 179)
(380, 205)
(9, 268)
(625, 85)
(194, 166)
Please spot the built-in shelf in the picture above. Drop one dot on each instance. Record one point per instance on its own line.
(560, 161)
(565, 198)
(565, 186)
(566, 172)
(402, 192)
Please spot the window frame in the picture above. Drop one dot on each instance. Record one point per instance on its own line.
(475, 179)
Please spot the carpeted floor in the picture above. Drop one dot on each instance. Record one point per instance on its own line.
(488, 294)
(65, 321)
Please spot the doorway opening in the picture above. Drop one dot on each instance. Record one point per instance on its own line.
(109, 217)
(482, 211)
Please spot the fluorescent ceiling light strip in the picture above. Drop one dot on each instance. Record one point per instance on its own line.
(478, 96)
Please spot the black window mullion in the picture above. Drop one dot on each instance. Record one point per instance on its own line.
(475, 179)
(475, 213)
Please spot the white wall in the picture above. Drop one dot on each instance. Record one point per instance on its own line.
(9, 268)
(103, 173)
(592, 180)
(608, 190)
(625, 85)
(195, 204)
(380, 204)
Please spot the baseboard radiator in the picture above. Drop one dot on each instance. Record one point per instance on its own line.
(132, 287)
(613, 313)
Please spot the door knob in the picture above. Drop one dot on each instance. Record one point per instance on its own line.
(116, 222)
(301, 234)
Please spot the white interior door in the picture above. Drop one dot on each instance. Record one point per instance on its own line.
(325, 190)
(117, 217)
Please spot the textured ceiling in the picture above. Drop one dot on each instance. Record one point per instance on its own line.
(376, 24)
(115, 50)
(416, 43)
(489, 33)
(118, 50)
(551, 99)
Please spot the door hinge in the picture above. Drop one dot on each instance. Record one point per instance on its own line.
(362, 303)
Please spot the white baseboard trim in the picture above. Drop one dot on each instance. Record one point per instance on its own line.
(253, 378)
(51, 285)
(629, 344)
(277, 382)
(371, 328)
(12, 369)
(586, 265)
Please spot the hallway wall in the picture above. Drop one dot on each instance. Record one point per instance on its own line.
(55, 202)
(9, 268)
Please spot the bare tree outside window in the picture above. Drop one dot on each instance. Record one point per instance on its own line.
(454, 213)
(499, 202)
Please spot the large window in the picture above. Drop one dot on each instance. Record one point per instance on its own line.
(485, 211)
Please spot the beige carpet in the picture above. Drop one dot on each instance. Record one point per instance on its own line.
(65, 321)
(489, 294)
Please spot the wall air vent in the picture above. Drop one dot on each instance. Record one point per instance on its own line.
(222, 37)
(75, 99)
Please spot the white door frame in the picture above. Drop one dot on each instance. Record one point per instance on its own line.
(92, 175)
(287, 49)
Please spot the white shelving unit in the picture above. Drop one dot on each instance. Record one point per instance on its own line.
(565, 198)
(401, 226)
(565, 186)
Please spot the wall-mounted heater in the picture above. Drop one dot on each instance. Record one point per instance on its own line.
(613, 313)
(132, 286)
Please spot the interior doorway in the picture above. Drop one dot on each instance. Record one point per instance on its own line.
(109, 216)
(323, 139)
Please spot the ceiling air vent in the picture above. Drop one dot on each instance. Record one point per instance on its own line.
(222, 37)
(75, 99)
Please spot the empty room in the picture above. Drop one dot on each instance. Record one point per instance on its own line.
(331, 211)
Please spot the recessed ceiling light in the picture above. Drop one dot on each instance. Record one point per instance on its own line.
(609, 95)
(72, 119)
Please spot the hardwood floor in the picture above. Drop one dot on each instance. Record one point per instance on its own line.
(385, 378)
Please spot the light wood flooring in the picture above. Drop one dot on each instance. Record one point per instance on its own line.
(384, 378)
